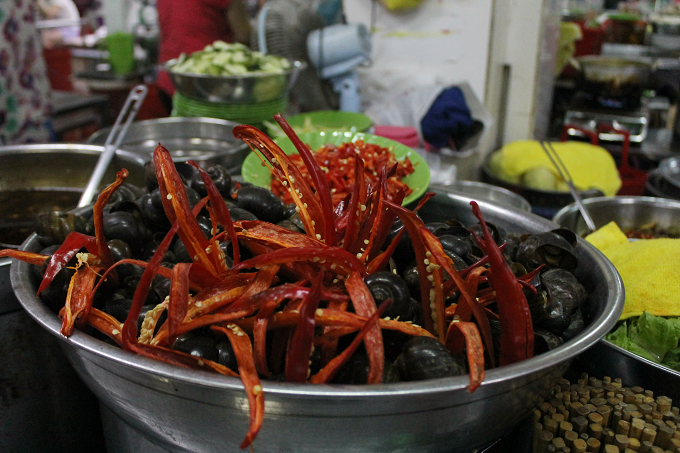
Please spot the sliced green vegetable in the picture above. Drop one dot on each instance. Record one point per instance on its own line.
(221, 58)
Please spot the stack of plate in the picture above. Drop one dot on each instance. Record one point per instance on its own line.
(665, 180)
(253, 113)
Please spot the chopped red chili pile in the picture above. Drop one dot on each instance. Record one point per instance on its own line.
(337, 162)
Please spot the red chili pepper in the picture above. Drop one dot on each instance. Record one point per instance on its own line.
(356, 201)
(297, 364)
(312, 214)
(177, 209)
(275, 297)
(28, 257)
(243, 351)
(385, 217)
(473, 345)
(320, 183)
(323, 256)
(263, 280)
(219, 208)
(129, 336)
(364, 305)
(467, 300)
(179, 297)
(68, 249)
(103, 251)
(517, 333)
(79, 297)
(328, 372)
(106, 324)
(431, 274)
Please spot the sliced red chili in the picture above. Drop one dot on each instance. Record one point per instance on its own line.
(177, 208)
(243, 351)
(364, 305)
(474, 348)
(328, 372)
(219, 208)
(179, 296)
(297, 363)
(68, 249)
(79, 297)
(517, 333)
(103, 251)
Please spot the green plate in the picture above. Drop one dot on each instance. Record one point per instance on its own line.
(323, 121)
(253, 172)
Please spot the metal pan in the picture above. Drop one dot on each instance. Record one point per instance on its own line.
(204, 140)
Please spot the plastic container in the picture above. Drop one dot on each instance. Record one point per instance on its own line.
(121, 52)
(406, 135)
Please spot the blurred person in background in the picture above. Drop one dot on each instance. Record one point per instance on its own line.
(61, 10)
(189, 25)
(24, 86)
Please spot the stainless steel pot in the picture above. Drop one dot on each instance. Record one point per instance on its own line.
(204, 140)
(45, 177)
(627, 212)
(167, 408)
(613, 76)
(44, 406)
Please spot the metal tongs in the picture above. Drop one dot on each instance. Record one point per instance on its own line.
(564, 174)
(129, 110)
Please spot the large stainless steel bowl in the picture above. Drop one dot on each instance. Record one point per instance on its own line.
(627, 212)
(205, 140)
(167, 408)
(249, 88)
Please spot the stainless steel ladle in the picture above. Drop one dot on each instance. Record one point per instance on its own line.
(564, 174)
(113, 141)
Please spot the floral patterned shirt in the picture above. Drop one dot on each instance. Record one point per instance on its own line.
(24, 85)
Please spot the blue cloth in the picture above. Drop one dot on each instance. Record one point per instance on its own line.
(447, 119)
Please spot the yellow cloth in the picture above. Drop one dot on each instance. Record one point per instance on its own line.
(648, 268)
(590, 166)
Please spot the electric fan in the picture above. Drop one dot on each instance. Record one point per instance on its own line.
(301, 30)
